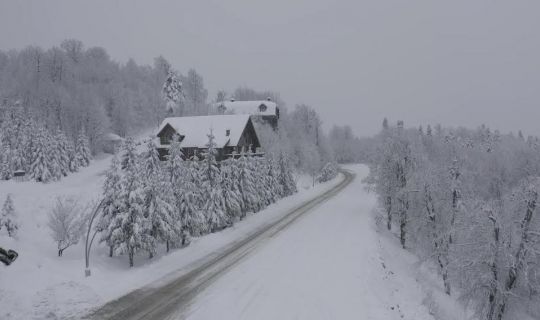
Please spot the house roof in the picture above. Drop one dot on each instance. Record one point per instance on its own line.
(196, 129)
(255, 107)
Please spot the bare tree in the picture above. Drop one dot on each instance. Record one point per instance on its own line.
(66, 223)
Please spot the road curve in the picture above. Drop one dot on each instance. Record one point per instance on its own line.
(162, 302)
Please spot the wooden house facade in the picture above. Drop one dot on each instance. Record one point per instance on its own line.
(233, 134)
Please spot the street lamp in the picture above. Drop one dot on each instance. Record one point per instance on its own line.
(88, 244)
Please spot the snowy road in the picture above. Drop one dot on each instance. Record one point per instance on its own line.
(329, 264)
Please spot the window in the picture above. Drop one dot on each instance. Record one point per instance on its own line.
(228, 132)
(262, 107)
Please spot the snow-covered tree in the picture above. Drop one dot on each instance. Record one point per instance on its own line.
(231, 189)
(214, 203)
(285, 177)
(328, 172)
(40, 168)
(62, 153)
(172, 93)
(82, 150)
(159, 204)
(112, 191)
(6, 170)
(8, 218)
(248, 185)
(66, 223)
(130, 227)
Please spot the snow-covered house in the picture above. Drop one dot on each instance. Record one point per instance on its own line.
(264, 111)
(233, 135)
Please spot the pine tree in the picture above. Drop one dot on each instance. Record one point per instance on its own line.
(129, 228)
(112, 190)
(129, 155)
(73, 163)
(214, 205)
(172, 92)
(54, 155)
(62, 151)
(285, 176)
(6, 171)
(183, 190)
(82, 150)
(248, 185)
(8, 218)
(41, 161)
(231, 189)
(158, 197)
(193, 206)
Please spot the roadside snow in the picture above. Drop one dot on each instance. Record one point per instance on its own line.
(39, 285)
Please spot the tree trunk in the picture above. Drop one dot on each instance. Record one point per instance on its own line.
(494, 288)
(168, 246)
(110, 251)
(130, 254)
(60, 252)
(389, 213)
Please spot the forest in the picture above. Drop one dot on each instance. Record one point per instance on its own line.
(74, 96)
(465, 201)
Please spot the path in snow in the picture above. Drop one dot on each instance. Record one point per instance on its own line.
(330, 264)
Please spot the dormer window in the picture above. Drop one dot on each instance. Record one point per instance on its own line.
(262, 107)
(228, 132)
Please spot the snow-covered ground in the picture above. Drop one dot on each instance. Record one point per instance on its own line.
(330, 264)
(40, 285)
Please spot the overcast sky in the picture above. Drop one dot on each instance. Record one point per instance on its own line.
(458, 62)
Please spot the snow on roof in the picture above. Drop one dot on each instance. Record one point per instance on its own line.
(256, 107)
(227, 129)
(112, 137)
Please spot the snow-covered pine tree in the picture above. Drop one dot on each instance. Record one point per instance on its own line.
(112, 190)
(214, 205)
(158, 197)
(8, 218)
(231, 189)
(172, 92)
(130, 228)
(62, 152)
(196, 221)
(6, 170)
(248, 185)
(183, 189)
(73, 163)
(55, 166)
(272, 180)
(129, 155)
(82, 150)
(261, 171)
(41, 160)
(286, 178)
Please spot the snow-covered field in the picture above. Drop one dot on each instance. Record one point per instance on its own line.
(330, 264)
(40, 285)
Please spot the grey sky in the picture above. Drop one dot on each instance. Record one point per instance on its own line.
(459, 62)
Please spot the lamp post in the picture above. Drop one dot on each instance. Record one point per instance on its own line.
(88, 243)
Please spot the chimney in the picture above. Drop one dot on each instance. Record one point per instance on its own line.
(228, 132)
